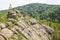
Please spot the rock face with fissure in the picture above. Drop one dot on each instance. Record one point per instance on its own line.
(29, 30)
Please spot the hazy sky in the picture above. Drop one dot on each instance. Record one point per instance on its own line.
(4, 4)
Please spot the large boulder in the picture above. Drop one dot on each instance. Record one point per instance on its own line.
(7, 32)
(3, 37)
(48, 29)
(11, 14)
(32, 21)
(2, 25)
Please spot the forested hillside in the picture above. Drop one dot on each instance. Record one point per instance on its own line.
(43, 13)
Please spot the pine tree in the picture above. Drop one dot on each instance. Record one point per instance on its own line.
(10, 8)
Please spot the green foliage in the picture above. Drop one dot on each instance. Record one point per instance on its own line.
(44, 11)
(10, 25)
(55, 26)
(3, 16)
(37, 17)
(46, 14)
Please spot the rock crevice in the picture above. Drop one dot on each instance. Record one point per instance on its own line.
(23, 29)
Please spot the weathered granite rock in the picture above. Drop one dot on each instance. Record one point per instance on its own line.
(28, 29)
(48, 29)
(2, 25)
(7, 32)
(11, 14)
(32, 21)
(3, 37)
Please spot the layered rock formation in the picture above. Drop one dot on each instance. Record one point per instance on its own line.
(23, 28)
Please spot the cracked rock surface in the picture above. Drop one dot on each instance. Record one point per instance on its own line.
(24, 29)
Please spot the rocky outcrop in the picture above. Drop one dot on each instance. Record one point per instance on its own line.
(32, 21)
(2, 37)
(25, 30)
(2, 25)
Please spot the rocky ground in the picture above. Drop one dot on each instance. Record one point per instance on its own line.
(24, 29)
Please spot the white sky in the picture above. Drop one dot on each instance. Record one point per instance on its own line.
(4, 4)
